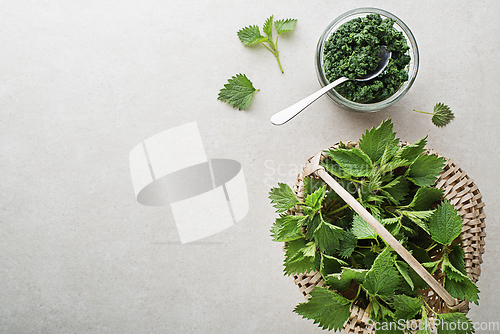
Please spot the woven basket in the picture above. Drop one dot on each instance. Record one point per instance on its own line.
(461, 191)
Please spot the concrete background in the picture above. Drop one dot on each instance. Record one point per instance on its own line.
(83, 82)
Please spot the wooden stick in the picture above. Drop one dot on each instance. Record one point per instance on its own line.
(388, 237)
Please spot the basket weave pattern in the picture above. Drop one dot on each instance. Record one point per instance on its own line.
(461, 191)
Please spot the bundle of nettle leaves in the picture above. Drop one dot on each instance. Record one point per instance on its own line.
(395, 183)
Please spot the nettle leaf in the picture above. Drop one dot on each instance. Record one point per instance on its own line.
(406, 307)
(361, 229)
(251, 35)
(425, 197)
(327, 237)
(458, 284)
(347, 244)
(445, 224)
(353, 161)
(331, 265)
(314, 200)
(238, 92)
(295, 261)
(424, 171)
(383, 278)
(285, 25)
(398, 189)
(442, 115)
(419, 218)
(287, 228)
(334, 168)
(404, 270)
(456, 257)
(412, 151)
(283, 198)
(312, 184)
(376, 141)
(341, 281)
(268, 27)
(327, 308)
(454, 323)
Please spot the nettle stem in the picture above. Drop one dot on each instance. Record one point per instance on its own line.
(424, 112)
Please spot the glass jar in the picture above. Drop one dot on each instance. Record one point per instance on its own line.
(411, 68)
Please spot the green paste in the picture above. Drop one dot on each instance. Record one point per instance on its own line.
(352, 51)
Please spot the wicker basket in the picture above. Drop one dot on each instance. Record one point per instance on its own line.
(461, 191)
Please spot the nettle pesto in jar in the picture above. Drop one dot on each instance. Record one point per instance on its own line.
(352, 51)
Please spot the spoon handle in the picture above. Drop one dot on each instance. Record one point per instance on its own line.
(287, 114)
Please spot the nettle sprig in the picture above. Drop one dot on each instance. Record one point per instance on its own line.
(251, 35)
(441, 116)
(395, 183)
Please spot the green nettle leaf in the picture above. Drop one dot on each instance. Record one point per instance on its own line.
(251, 35)
(419, 218)
(376, 141)
(424, 171)
(285, 25)
(398, 189)
(404, 270)
(441, 116)
(341, 281)
(334, 168)
(287, 228)
(445, 224)
(412, 151)
(458, 284)
(454, 323)
(361, 229)
(383, 278)
(268, 28)
(406, 307)
(353, 161)
(327, 237)
(314, 200)
(456, 258)
(347, 244)
(425, 197)
(283, 198)
(295, 261)
(328, 309)
(312, 184)
(331, 265)
(238, 92)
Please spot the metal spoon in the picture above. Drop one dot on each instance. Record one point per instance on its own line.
(287, 114)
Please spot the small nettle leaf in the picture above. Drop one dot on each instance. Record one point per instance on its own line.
(285, 25)
(398, 189)
(419, 218)
(404, 270)
(314, 200)
(268, 27)
(406, 307)
(456, 257)
(251, 35)
(287, 228)
(328, 236)
(445, 224)
(425, 197)
(425, 169)
(376, 141)
(331, 265)
(454, 323)
(347, 244)
(442, 115)
(238, 92)
(353, 161)
(383, 278)
(361, 229)
(412, 151)
(327, 308)
(295, 262)
(283, 198)
(341, 281)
